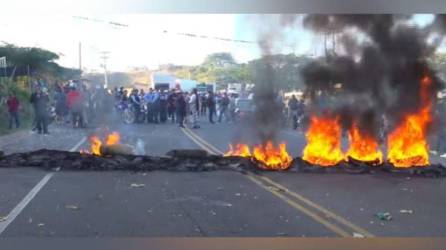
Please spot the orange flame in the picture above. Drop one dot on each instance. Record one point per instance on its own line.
(407, 144)
(323, 142)
(363, 147)
(272, 157)
(113, 138)
(96, 143)
(240, 150)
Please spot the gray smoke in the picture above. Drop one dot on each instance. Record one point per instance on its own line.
(266, 116)
(381, 73)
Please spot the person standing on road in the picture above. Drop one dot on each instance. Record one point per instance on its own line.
(148, 98)
(13, 109)
(211, 106)
(203, 104)
(293, 106)
(156, 106)
(194, 104)
(180, 106)
(163, 106)
(171, 105)
(224, 103)
(75, 104)
(135, 104)
(231, 108)
(61, 105)
(40, 101)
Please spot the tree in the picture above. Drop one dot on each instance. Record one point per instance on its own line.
(285, 70)
(40, 62)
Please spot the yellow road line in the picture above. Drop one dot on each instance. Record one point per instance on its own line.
(196, 141)
(327, 212)
(216, 150)
(302, 209)
(202, 143)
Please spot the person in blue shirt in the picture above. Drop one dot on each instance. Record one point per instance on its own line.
(155, 106)
(148, 98)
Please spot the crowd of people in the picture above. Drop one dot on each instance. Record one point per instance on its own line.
(68, 103)
(73, 103)
(160, 106)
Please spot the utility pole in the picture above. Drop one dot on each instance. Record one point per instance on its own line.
(105, 57)
(80, 56)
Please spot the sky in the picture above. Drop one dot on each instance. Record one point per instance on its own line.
(143, 42)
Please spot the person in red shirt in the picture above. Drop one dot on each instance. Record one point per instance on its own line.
(74, 103)
(13, 109)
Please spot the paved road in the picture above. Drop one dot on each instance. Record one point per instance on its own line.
(220, 203)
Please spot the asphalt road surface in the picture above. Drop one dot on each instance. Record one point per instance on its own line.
(218, 203)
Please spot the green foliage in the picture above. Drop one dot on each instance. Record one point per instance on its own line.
(41, 64)
(222, 69)
(40, 61)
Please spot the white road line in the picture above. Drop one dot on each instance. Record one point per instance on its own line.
(18, 209)
(28, 198)
(75, 147)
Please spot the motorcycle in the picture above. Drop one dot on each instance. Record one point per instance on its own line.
(126, 113)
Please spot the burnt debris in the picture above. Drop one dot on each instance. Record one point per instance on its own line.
(196, 161)
(176, 160)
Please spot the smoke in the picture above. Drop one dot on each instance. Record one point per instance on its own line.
(267, 115)
(380, 71)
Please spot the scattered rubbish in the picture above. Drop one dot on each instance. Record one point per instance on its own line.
(405, 189)
(137, 185)
(149, 210)
(443, 156)
(72, 207)
(406, 211)
(40, 225)
(372, 222)
(220, 188)
(3, 218)
(384, 216)
(221, 203)
(281, 234)
(361, 209)
(30, 220)
(434, 152)
(237, 194)
(357, 235)
(213, 212)
(273, 188)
